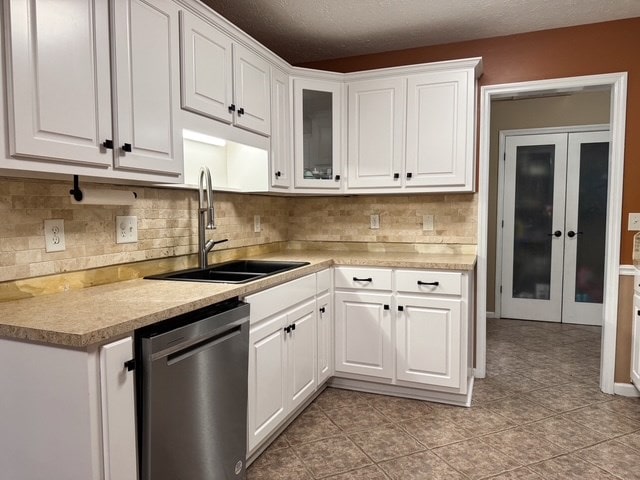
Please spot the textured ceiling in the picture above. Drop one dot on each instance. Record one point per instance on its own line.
(308, 30)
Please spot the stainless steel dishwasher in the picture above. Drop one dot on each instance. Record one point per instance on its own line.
(192, 387)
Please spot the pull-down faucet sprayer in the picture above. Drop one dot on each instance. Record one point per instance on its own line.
(206, 216)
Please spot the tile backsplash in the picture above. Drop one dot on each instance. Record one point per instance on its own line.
(167, 223)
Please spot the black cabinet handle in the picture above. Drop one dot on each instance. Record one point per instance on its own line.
(638, 312)
(322, 309)
(232, 108)
(386, 307)
(557, 233)
(400, 308)
(356, 279)
(240, 111)
(293, 326)
(126, 147)
(572, 234)
(396, 176)
(409, 175)
(108, 144)
(287, 329)
(130, 364)
(278, 174)
(337, 178)
(435, 284)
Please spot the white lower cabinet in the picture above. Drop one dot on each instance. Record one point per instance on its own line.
(325, 337)
(428, 341)
(283, 353)
(635, 348)
(363, 334)
(416, 334)
(67, 413)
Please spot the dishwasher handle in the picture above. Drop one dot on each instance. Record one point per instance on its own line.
(204, 344)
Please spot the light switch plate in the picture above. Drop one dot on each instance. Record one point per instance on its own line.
(256, 224)
(634, 222)
(126, 229)
(375, 221)
(54, 235)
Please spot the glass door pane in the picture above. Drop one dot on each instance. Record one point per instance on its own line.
(533, 221)
(317, 118)
(592, 220)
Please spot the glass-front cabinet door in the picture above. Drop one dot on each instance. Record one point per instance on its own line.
(317, 133)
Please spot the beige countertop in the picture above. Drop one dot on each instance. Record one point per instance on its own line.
(80, 318)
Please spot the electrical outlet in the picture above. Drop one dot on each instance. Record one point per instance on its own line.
(256, 224)
(634, 222)
(375, 221)
(126, 229)
(54, 235)
(427, 223)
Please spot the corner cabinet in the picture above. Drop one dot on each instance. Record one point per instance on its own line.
(86, 118)
(222, 79)
(281, 164)
(412, 129)
(86, 393)
(317, 127)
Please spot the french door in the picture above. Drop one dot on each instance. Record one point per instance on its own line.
(553, 236)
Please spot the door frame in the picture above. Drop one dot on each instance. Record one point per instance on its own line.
(617, 84)
(500, 212)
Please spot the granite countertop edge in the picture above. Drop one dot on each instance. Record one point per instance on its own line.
(61, 318)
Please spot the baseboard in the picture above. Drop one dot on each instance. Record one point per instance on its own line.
(492, 315)
(628, 270)
(625, 390)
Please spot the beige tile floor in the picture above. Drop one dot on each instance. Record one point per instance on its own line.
(538, 415)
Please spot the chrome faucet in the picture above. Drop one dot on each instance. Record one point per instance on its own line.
(206, 217)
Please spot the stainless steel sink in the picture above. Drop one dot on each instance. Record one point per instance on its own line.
(237, 271)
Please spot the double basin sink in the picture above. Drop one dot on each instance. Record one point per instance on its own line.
(237, 271)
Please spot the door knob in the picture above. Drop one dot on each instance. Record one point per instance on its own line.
(557, 233)
(572, 234)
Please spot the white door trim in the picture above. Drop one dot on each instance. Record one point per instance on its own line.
(500, 212)
(617, 82)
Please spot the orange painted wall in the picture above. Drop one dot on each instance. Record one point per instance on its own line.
(565, 52)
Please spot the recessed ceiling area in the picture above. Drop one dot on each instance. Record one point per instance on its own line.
(309, 30)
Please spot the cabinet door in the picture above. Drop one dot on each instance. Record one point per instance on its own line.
(301, 352)
(440, 131)
(251, 91)
(429, 341)
(376, 133)
(118, 411)
(207, 75)
(325, 337)
(317, 133)
(267, 403)
(363, 334)
(147, 85)
(59, 81)
(635, 348)
(281, 166)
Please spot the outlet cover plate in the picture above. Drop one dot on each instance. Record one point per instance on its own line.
(126, 229)
(427, 223)
(54, 235)
(256, 224)
(375, 221)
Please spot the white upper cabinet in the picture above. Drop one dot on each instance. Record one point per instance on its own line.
(58, 80)
(440, 120)
(413, 132)
(281, 164)
(61, 113)
(376, 133)
(317, 114)
(146, 90)
(223, 80)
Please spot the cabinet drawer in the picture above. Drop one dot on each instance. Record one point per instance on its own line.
(323, 281)
(275, 299)
(425, 281)
(363, 278)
